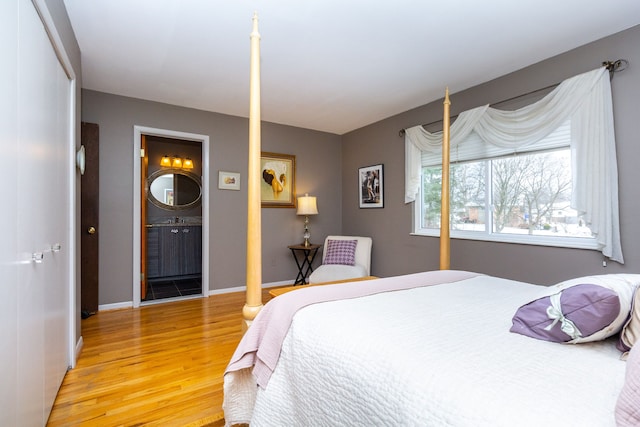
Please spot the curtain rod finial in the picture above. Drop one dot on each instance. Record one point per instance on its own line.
(616, 65)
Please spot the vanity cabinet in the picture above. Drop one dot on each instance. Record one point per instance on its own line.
(174, 250)
(153, 252)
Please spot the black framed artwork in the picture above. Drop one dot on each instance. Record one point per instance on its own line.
(371, 186)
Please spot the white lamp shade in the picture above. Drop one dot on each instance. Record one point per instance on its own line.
(307, 205)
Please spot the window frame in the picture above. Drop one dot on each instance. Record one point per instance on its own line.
(489, 234)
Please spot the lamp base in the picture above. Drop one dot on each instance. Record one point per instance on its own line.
(306, 236)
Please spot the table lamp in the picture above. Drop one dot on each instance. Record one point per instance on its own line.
(307, 206)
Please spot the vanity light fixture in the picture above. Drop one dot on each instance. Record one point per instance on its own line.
(176, 162)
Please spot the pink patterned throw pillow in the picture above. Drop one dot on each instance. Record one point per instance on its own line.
(341, 252)
(628, 405)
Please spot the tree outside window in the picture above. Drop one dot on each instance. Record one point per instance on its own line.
(528, 194)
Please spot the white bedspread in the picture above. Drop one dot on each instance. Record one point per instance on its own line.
(435, 356)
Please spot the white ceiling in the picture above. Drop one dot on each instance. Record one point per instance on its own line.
(329, 65)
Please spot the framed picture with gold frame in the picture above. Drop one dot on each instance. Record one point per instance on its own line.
(278, 180)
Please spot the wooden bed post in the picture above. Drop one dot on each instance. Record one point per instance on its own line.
(445, 250)
(254, 228)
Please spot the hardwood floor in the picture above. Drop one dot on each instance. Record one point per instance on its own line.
(159, 365)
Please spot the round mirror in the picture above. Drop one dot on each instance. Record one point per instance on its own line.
(174, 189)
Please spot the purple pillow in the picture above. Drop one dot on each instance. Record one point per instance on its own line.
(571, 315)
(341, 252)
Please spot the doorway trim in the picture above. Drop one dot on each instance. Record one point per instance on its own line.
(138, 131)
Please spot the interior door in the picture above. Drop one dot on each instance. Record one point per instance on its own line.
(42, 168)
(89, 230)
(144, 165)
(9, 246)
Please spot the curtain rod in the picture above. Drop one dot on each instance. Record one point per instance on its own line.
(612, 66)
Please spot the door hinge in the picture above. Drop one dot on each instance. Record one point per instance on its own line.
(142, 153)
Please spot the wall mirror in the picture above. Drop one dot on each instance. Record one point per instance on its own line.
(174, 189)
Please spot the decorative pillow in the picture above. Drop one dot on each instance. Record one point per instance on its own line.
(631, 330)
(628, 404)
(341, 252)
(572, 314)
(585, 309)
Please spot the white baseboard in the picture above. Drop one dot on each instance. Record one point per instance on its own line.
(115, 306)
(129, 304)
(79, 346)
(244, 288)
(278, 284)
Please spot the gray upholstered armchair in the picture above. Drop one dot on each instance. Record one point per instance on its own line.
(343, 258)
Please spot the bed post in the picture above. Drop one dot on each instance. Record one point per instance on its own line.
(444, 208)
(254, 228)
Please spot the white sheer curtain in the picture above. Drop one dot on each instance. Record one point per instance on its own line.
(585, 100)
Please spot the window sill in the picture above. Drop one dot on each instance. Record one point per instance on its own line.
(560, 242)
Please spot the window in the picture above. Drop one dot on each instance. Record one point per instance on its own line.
(522, 198)
(579, 108)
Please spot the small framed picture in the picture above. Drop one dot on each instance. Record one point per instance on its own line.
(278, 185)
(370, 186)
(228, 180)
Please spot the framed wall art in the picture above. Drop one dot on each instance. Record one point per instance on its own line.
(370, 186)
(278, 183)
(228, 180)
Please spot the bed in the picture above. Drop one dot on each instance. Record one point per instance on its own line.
(429, 349)
(438, 348)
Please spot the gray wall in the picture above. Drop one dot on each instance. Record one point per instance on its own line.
(318, 159)
(395, 251)
(327, 167)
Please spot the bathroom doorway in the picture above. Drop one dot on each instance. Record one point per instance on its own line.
(172, 211)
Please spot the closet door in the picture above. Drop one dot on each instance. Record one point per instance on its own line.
(43, 208)
(8, 215)
(57, 212)
(31, 205)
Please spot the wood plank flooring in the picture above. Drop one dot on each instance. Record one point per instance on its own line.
(159, 365)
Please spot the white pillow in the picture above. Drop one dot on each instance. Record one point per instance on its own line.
(631, 330)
